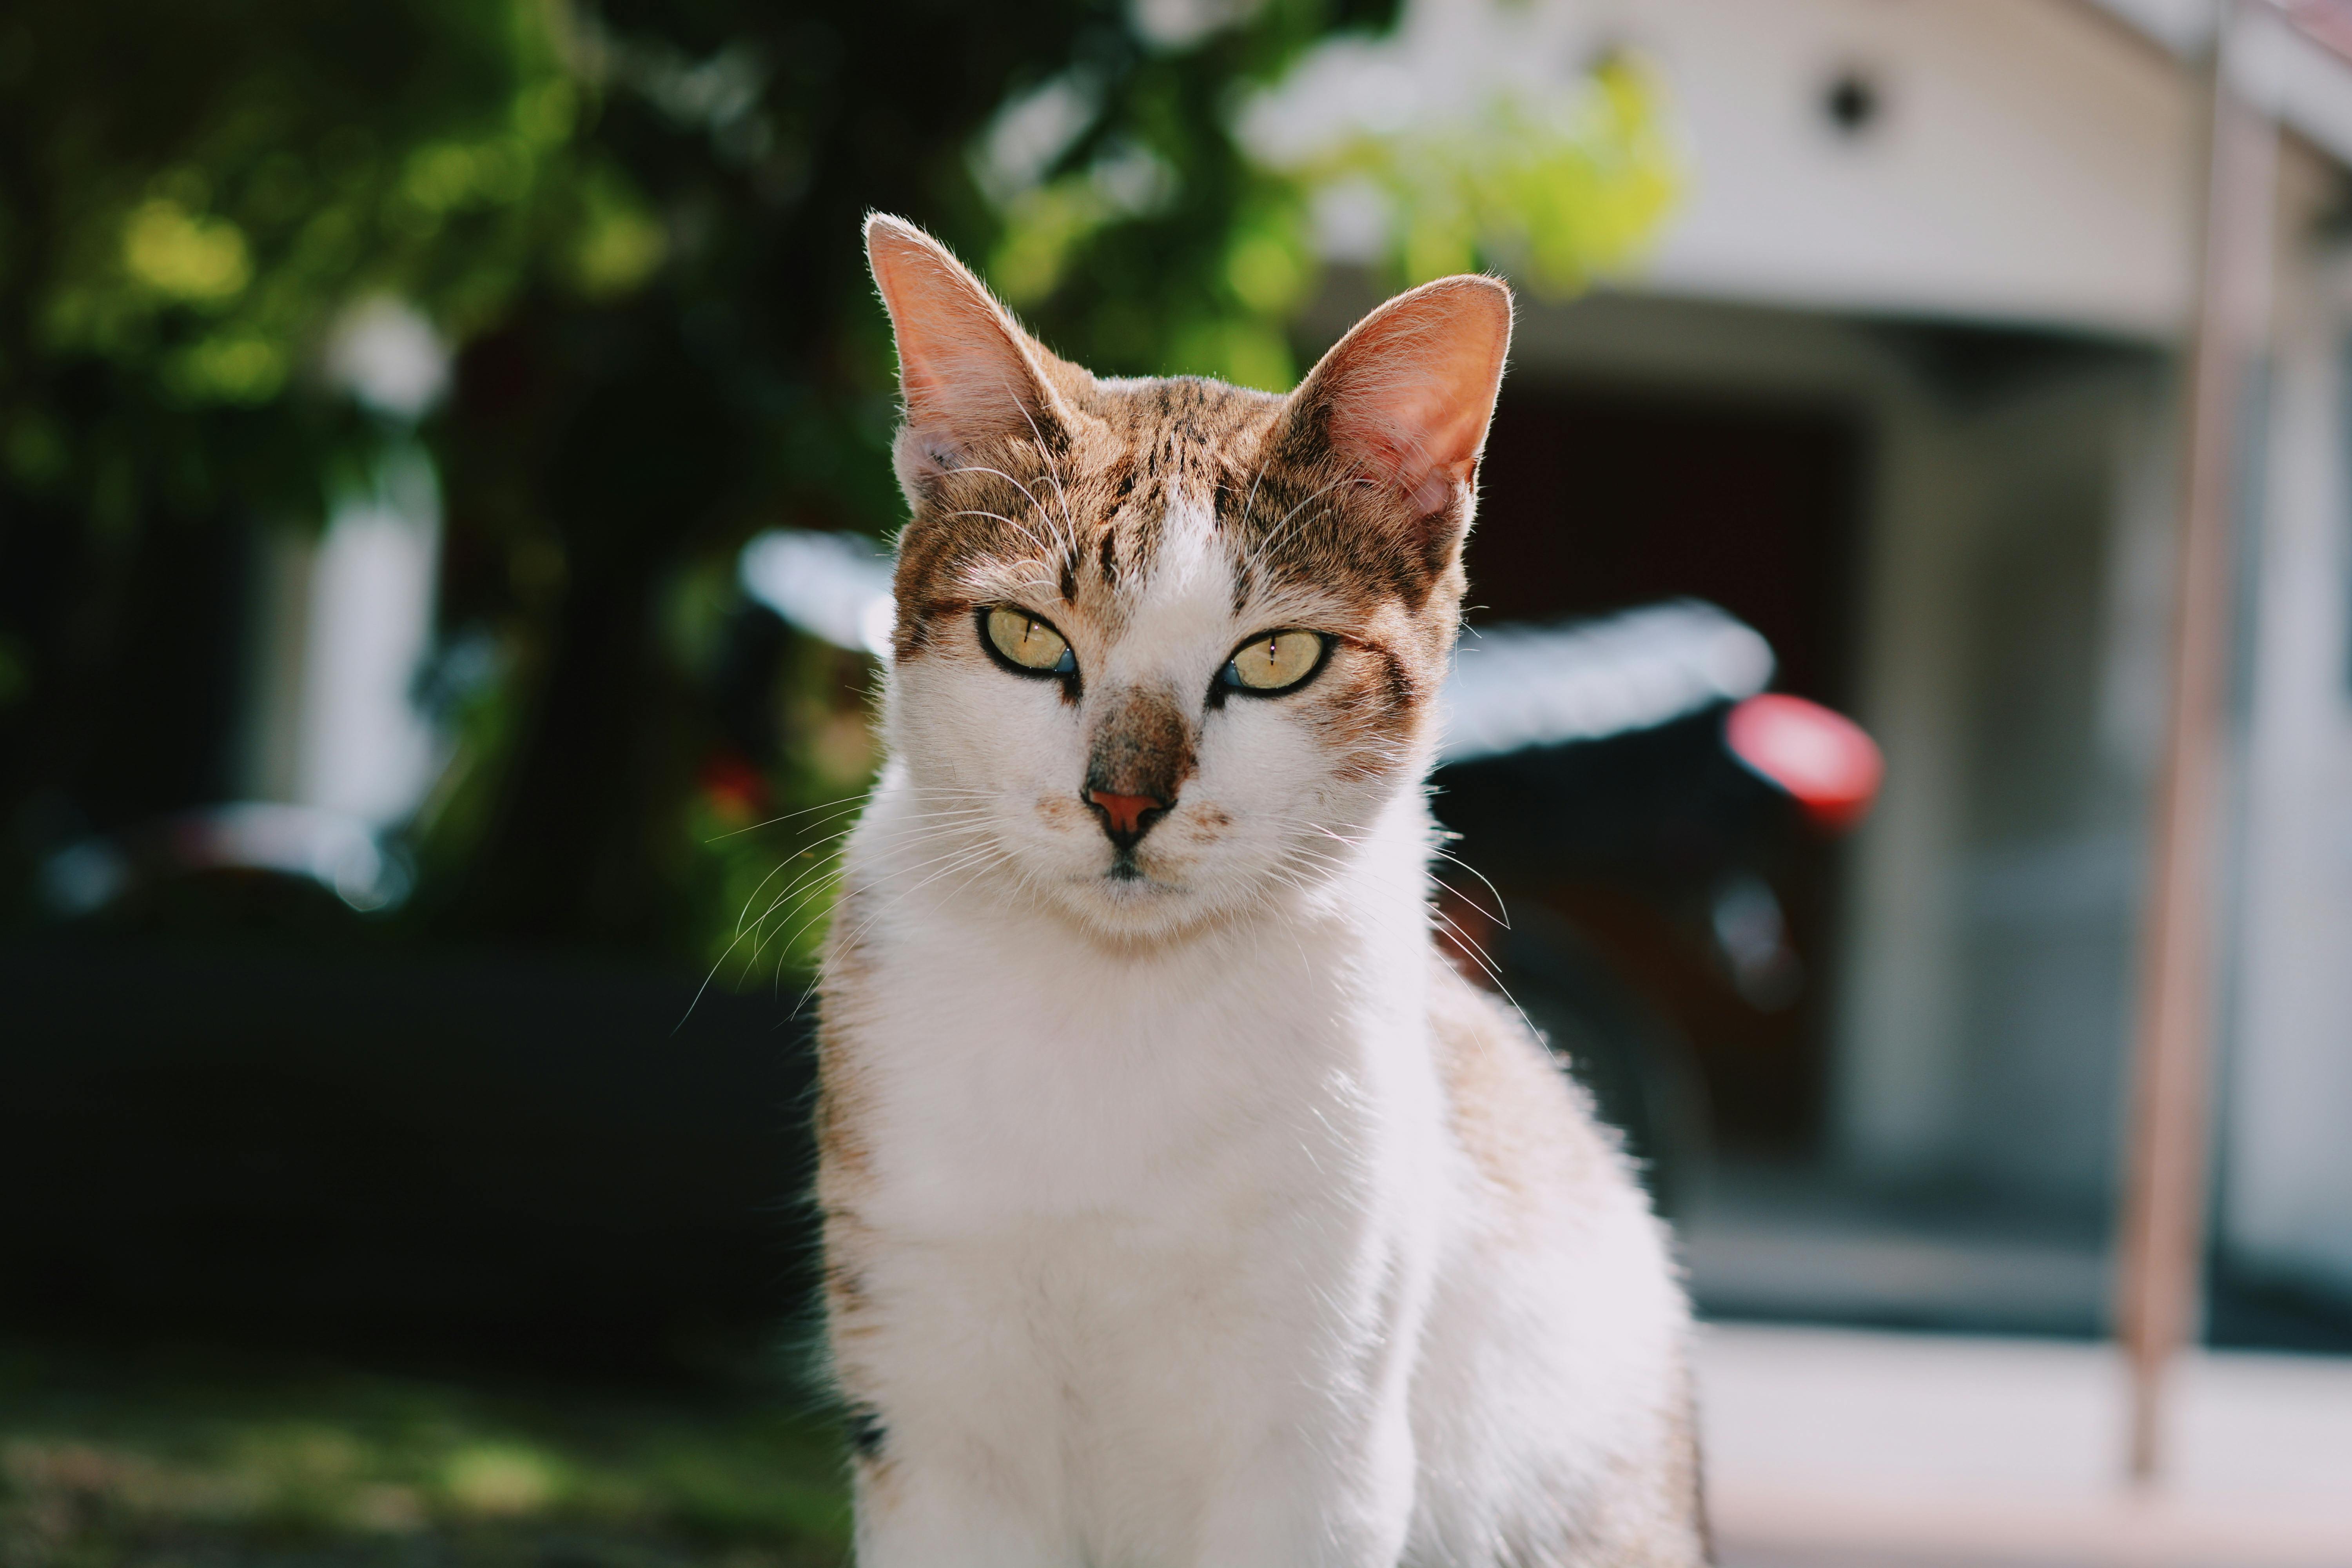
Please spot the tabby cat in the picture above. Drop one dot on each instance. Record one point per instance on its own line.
(1182, 1208)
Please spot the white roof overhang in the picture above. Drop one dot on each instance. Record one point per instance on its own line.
(2289, 61)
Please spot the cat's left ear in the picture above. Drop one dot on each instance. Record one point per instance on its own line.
(971, 377)
(1406, 396)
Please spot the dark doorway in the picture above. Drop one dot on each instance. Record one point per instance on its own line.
(1593, 499)
(1597, 498)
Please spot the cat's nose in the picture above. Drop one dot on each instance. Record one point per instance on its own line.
(1138, 756)
(1126, 817)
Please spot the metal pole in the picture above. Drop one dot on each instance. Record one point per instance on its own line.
(2164, 1217)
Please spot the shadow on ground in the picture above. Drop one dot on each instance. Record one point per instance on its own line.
(194, 1459)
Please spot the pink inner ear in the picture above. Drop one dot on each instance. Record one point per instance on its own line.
(1435, 488)
(1411, 388)
(966, 378)
(1425, 444)
(955, 363)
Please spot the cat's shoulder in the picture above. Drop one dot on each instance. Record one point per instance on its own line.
(1526, 1125)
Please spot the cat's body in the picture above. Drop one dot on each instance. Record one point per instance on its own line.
(1182, 1208)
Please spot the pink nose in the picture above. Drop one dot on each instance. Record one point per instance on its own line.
(1124, 812)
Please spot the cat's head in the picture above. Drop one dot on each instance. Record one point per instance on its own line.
(1166, 646)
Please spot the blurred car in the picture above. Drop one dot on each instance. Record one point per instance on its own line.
(1624, 796)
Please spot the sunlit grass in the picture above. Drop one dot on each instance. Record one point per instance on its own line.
(156, 1460)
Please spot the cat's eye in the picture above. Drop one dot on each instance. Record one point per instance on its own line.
(1272, 662)
(1026, 642)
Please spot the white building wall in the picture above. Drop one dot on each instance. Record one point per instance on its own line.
(1894, 1085)
(2033, 162)
(2029, 161)
(2052, 829)
(2286, 1085)
(364, 749)
(346, 624)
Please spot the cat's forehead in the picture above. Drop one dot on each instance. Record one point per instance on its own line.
(1158, 448)
(1171, 458)
(1198, 536)
(1177, 420)
(1156, 493)
(1119, 499)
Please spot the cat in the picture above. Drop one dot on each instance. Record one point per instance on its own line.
(1182, 1208)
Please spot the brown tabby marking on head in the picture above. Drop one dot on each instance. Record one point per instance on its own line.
(1076, 537)
(1370, 708)
(1315, 518)
(1032, 481)
(1079, 514)
(1094, 500)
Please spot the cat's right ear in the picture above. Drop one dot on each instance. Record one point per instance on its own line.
(1404, 399)
(970, 378)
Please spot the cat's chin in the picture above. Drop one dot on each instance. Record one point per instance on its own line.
(1128, 903)
(1128, 886)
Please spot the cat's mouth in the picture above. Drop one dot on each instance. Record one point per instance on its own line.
(1127, 876)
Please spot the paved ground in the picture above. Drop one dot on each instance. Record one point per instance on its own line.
(1831, 1449)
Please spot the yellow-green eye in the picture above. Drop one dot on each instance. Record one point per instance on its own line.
(1273, 661)
(1028, 644)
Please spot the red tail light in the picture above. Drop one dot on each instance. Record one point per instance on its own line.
(1824, 760)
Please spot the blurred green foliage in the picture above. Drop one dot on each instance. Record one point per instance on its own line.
(189, 196)
(156, 1458)
(1553, 189)
(1144, 241)
(637, 225)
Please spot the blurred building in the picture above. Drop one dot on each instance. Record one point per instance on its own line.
(1899, 388)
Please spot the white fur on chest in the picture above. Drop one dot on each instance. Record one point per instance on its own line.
(1016, 1072)
(1137, 1217)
